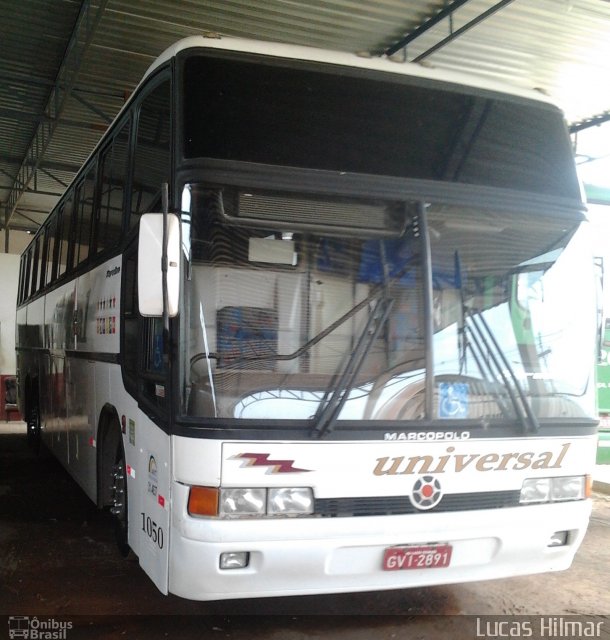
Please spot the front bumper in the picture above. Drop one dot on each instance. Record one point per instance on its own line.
(301, 556)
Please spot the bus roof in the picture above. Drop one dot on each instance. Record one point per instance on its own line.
(383, 64)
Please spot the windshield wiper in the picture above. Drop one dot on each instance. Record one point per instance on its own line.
(338, 392)
(487, 344)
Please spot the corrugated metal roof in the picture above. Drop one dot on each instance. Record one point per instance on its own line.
(561, 47)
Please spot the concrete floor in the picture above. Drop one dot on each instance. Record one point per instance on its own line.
(58, 558)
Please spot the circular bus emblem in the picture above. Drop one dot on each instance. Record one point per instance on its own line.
(426, 493)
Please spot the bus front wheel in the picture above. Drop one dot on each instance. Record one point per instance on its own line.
(118, 491)
(33, 422)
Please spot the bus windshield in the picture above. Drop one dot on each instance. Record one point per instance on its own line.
(287, 320)
(290, 114)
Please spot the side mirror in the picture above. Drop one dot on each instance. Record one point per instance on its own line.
(150, 271)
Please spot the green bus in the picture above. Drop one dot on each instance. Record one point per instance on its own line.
(603, 398)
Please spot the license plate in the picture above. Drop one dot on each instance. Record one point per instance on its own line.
(430, 556)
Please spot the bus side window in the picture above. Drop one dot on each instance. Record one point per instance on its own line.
(153, 354)
(130, 333)
(28, 269)
(64, 225)
(152, 152)
(35, 267)
(22, 279)
(44, 248)
(144, 368)
(83, 208)
(113, 170)
(51, 273)
(154, 371)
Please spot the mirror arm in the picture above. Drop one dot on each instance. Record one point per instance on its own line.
(164, 261)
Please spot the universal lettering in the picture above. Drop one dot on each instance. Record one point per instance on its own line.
(462, 461)
(442, 461)
(452, 462)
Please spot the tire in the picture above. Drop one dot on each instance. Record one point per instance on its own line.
(33, 426)
(119, 508)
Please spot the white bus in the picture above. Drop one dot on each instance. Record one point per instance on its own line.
(350, 350)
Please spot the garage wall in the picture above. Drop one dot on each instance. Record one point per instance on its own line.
(18, 241)
(9, 275)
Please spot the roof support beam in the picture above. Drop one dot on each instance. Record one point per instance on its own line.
(67, 167)
(593, 121)
(80, 40)
(39, 192)
(26, 116)
(21, 213)
(92, 107)
(456, 34)
(22, 79)
(48, 173)
(446, 12)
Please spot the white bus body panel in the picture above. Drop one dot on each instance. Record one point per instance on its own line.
(58, 331)
(153, 505)
(84, 317)
(344, 469)
(147, 458)
(342, 554)
(99, 308)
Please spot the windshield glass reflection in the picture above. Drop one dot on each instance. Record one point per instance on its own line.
(284, 323)
(514, 311)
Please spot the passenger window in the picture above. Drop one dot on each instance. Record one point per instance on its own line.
(153, 151)
(51, 273)
(131, 339)
(28, 269)
(84, 216)
(21, 279)
(64, 220)
(44, 247)
(112, 184)
(144, 366)
(35, 267)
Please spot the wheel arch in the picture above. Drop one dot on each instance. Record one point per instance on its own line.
(31, 393)
(109, 435)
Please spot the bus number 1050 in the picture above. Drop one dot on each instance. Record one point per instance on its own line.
(152, 530)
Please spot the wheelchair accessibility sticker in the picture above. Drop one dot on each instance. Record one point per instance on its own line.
(453, 400)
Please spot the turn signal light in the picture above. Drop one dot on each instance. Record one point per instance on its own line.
(203, 501)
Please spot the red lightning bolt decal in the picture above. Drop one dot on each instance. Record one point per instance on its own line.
(262, 460)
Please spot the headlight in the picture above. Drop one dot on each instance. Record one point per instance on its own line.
(242, 502)
(250, 502)
(290, 501)
(570, 488)
(536, 490)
